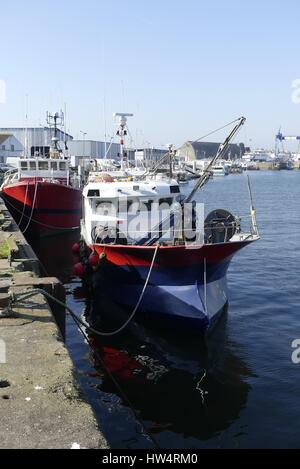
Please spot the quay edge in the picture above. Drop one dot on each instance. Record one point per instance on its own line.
(42, 404)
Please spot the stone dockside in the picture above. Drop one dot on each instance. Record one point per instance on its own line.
(42, 404)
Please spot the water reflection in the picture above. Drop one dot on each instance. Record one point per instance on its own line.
(196, 389)
(55, 254)
(182, 388)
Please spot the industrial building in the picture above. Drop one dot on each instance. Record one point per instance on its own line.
(91, 149)
(30, 141)
(149, 154)
(9, 146)
(201, 150)
(18, 141)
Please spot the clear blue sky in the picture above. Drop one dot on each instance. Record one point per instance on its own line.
(182, 67)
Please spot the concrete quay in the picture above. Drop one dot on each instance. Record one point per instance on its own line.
(42, 404)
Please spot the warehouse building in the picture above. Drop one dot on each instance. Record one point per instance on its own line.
(37, 141)
(201, 150)
(9, 146)
(30, 141)
(80, 150)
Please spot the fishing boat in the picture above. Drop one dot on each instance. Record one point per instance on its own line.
(220, 170)
(150, 253)
(283, 163)
(39, 193)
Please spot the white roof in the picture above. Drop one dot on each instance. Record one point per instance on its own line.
(119, 189)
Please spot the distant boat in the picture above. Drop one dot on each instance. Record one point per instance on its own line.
(252, 166)
(220, 170)
(284, 164)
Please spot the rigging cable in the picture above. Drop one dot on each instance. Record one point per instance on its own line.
(32, 208)
(24, 205)
(30, 293)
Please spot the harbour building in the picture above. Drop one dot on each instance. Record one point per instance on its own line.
(31, 141)
(202, 150)
(37, 141)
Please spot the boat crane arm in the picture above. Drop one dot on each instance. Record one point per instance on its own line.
(221, 151)
(170, 219)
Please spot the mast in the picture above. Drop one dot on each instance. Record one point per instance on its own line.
(221, 151)
(54, 121)
(122, 132)
(169, 221)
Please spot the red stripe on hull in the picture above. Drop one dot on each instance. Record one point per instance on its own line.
(169, 256)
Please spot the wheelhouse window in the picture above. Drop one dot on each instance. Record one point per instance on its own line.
(106, 208)
(24, 165)
(53, 165)
(43, 165)
(40, 151)
(174, 189)
(93, 193)
(137, 205)
(32, 165)
(62, 166)
(166, 201)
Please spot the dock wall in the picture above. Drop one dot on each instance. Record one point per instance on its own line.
(42, 404)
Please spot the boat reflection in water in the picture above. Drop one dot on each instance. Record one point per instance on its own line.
(185, 390)
(55, 254)
(187, 387)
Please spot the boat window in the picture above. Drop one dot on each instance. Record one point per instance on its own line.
(43, 165)
(138, 205)
(62, 166)
(32, 165)
(24, 165)
(106, 208)
(167, 200)
(145, 205)
(93, 193)
(53, 165)
(174, 189)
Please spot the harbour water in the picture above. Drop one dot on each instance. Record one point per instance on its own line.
(239, 389)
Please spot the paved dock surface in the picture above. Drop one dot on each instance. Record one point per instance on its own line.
(41, 401)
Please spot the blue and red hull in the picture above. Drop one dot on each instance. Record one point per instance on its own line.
(187, 286)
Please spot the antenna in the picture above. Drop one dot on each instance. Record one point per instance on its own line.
(54, 121)
(122, 131)
(26, 129)
(65, 126)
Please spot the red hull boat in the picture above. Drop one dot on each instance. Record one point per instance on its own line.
(39, 193)
(43, 208)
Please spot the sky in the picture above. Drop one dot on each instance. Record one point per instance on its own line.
(183, 68)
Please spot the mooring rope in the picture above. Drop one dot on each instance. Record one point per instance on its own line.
(36, 291)
(78, 321)
(24, 205)
(80, 324)
(32, 208)
(39, 222)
